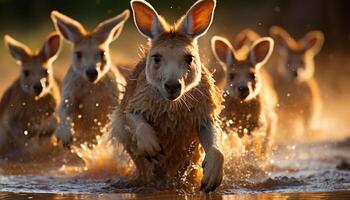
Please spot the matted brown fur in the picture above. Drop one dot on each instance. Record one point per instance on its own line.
(176, 123)
(20, 112)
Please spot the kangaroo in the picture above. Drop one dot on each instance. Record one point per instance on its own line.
(171, 104)
(92, 87)
(249, 97)
(27, 108)
(241, 44)
(297, 88)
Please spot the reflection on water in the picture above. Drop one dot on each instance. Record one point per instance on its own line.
(269, 196)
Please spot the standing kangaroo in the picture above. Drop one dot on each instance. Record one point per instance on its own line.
(27, 108)
(249, 97)
(171, 104)
(93, 87)
(241, 44)
(296, 86)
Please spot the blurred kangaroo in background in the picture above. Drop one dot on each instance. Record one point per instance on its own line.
(241, 44)
(249, 97)
(27, 108)
(297, 88)
(171, 104)
(93, 87)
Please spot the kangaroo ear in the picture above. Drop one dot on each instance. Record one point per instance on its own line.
(245, 38)
(19, 51)
(223, 51)
(51, 47)
(198, 19)
(313, 42)
(147, 20)
(69, 28)
(261, 51)
(281, 36)
(110, 29)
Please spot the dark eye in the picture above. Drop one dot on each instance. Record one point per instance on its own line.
(78, 55)
(45, 73)
(251, 76)
(26, 73)
(231, 76)
(189, 59)
(102, 55)
(157, 58)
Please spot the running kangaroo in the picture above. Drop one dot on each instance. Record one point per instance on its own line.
(171, 104)
(241, 44)
(297, 88)
(249, 98)
(92, 86)
(27, 108)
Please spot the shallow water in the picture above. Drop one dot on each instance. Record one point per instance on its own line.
(309, 170)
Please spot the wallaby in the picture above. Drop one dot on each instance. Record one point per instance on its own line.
(171, 103)
(249, 97)
(27, 108)
(297, 88)
(92, 87)
(241, 44)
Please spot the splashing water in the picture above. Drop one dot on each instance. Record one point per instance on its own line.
(104, 159)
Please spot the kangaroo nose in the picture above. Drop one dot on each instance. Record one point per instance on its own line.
(172, 87)
(295, 74)
(243, 92)
(38, 88)
(91, 74)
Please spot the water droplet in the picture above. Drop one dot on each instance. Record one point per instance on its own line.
(97, 105)
(25, 132)
(24, 104)
(80, 116)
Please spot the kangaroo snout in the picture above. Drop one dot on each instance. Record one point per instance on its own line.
(243, 92)
(91, 74)
(38, 88)
(173, 88)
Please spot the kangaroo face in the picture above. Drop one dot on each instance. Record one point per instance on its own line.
(243, 80)
(36, 69)
(173, 64)
(91, 57)
(296, 58)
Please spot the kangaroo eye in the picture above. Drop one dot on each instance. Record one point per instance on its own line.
(231, 76)
(189, 59)
(78, 55)
(26, 73)
(251, 76)
(157, 58)
(102, 55)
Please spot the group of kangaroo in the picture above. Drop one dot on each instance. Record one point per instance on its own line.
(171, 108)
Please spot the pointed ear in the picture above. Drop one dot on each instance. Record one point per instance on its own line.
(51, 47)
(245, 38)
(281, 36)
(147, 20)
(69, 28)
(198, 19)
(110, 29)
(223, 50)
(18, 50)
(313, 42)
(261, 51)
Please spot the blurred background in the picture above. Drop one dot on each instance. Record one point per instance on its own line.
(29, 21)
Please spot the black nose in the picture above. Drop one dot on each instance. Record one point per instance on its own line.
(38, 88)
(243, 92)
(172, 87)
(91, 74)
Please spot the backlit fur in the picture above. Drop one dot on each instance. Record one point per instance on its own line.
(87, 103)
(26, 114)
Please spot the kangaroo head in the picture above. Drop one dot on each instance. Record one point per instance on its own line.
(91, 57)
(243, 77)
(36, 67)
(296, 58)
(173, 64)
